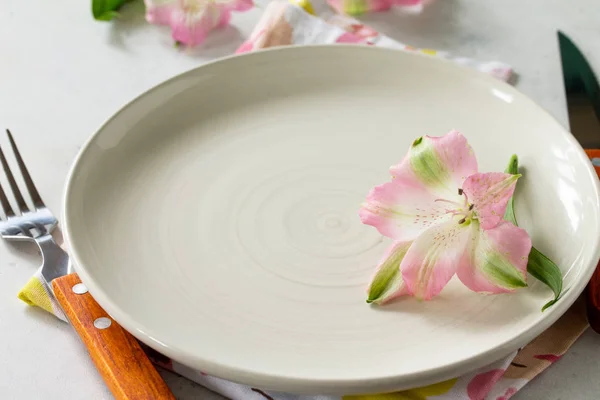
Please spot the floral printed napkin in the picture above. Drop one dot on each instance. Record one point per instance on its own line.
(316, 22)
(497, 381)
(303, 22)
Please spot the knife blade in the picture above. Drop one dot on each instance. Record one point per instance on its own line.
(582, 91)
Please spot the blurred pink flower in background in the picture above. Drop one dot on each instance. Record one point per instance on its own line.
(192, 20)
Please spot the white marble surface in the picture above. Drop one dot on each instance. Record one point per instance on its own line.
(62, 75)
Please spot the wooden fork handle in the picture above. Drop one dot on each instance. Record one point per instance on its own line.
(126, 369)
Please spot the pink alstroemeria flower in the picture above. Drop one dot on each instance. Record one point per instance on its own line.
(192, 20)
(446, 219)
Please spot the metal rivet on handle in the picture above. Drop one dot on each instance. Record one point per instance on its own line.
(102, 323)
(80, 289)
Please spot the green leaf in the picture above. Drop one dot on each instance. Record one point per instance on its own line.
(543, 269)
(106, 10)
(538, 265)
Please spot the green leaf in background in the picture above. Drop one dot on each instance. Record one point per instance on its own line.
(106, 10)
(538, 265)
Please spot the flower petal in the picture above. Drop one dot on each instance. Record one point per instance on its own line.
(224, 19)
(192, 29)
(490, 194)
(387, 283)
(402, 212)
(433, 258)
(496, 259)
(438, 163)
(159, 11)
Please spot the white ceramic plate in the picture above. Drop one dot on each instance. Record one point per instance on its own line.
(215, 217)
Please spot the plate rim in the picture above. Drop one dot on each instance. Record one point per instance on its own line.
(313, 385)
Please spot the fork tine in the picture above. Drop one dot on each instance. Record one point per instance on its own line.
(4, 204)
(13, 184)
(35, 195)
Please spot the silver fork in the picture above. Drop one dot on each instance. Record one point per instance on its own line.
(32, 225)
(125, 367)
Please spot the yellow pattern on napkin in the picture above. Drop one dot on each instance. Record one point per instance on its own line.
(413, 394)
(305, 5)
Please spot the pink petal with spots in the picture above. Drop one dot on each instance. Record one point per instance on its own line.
(482, 383)
(387, 283)
(495, 260)
(457, 155)
(548, 357)
(433, 258)
(401, 211)
(490, 193)
(440, 163)
(159, 11)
